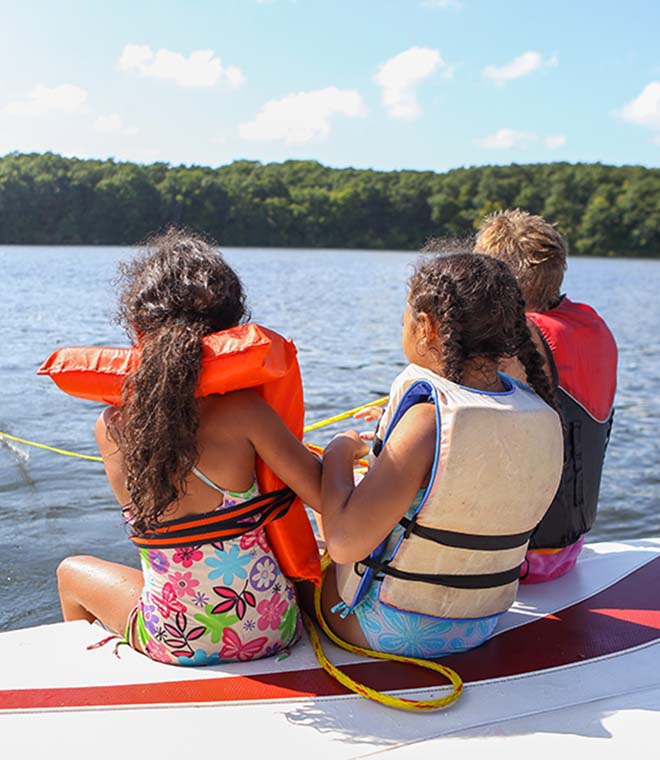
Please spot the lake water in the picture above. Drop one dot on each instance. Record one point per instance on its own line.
(343, 309)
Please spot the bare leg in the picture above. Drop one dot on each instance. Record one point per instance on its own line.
(346, 628)
(93, 589)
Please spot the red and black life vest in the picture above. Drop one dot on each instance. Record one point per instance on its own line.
(583, 358)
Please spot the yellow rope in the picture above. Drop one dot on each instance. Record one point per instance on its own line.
(313, 426)
(345, 415)
(365, 691)
(64, 452)
(336, 673)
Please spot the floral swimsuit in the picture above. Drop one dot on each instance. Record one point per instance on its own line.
(221, 602)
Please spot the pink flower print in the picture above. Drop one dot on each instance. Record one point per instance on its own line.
(263, 574)
(158, 562)
(158, 651)
(186, 555)
(271, 611)
(168, 602)
(235, 649)
(258, 536)
(183, 583)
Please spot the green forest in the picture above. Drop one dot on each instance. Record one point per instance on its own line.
(46, 199)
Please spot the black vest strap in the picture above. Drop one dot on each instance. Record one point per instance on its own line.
(466, 540)
(486, 580)
(220, 525)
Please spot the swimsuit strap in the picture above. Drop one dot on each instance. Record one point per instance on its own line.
(208, 481)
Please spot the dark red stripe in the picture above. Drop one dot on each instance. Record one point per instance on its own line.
(623, 616)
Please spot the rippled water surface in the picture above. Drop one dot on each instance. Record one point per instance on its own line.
(343, 309)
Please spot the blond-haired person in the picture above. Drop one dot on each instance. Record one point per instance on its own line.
(581, 359)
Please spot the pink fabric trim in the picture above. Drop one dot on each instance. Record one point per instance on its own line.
(539, 568)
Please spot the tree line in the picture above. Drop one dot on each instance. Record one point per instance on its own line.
(47, 199)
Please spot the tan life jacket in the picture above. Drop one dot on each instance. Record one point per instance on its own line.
(497, 465)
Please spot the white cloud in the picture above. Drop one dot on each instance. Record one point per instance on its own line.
(202, 68)
(519, 67)
(302, 116)
(645, 109)
(506, 139)
(552, 142)
(66, 98)
(234, 77)
(442, 4)
(113, 123)
(399, 77)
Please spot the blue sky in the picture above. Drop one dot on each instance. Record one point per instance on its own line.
(384, 84)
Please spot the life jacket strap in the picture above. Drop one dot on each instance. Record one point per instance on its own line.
(472, 541)
(485, 580)
(221, 525)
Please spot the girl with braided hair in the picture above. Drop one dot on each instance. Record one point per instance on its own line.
(427, 547)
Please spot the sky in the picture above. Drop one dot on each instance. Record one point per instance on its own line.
(382, 84)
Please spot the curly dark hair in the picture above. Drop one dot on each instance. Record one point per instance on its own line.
(179, 290)
(480, 313)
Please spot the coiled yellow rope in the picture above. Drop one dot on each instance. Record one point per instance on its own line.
(361, 689)
(400, 703)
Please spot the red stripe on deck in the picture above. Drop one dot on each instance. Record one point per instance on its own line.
(622, 616)
(650, 618)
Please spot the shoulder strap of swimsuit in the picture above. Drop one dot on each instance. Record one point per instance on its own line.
(208, 481)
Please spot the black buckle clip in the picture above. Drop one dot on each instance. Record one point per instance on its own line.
(409, 526)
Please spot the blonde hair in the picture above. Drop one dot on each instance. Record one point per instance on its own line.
(533, 249)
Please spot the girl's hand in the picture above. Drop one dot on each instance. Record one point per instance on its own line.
(369, 413)
(357, 518)
(352, 439)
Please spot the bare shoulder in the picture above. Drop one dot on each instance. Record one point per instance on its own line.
(243, 402)
(416, 429)
(421, 416)
(235, 412)
(104, 439)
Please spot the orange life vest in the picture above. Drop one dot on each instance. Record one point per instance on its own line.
(246, 356)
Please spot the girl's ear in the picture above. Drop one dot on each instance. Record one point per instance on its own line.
(426, 328)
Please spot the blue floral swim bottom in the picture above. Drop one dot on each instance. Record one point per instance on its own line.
(407, 633)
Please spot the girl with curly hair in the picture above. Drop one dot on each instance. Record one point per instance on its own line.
(170, 457)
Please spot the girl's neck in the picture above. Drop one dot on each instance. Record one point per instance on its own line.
(478, 373)
(482, 374)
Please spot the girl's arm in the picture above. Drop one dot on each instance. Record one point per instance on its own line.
(357, 518)
(112, 460)
(279, 448)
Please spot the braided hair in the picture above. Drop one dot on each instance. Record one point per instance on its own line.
(479, 312)
(178, 291)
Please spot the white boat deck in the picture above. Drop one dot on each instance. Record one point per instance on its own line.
(575, 665)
